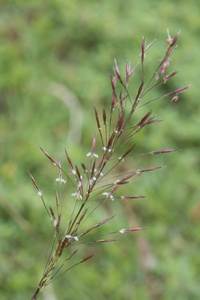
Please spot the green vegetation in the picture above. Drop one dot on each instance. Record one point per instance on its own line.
(50, 45)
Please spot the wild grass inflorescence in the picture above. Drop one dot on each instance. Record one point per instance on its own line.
(115, 129)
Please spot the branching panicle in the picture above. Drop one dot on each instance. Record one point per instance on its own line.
(88, 181)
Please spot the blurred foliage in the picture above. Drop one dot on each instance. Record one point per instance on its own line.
(73, 44)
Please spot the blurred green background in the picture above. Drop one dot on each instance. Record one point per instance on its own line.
(55, 61)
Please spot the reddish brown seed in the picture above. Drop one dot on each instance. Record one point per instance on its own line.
(149, 45)
(34, 182)
(120, 122)
(86, 258)
(174, 40)
(57, 200)
(84, 168)
(69, 160)
(93, 145)
(168, 76)
(112, 103)
(52, 213)
(51, 159)
(139, 91)
(97, 118)
(110, 141)
(106, 220)
(127, 152)
(143, 49)
(120, 182)
(132, 197)
(144, 118)
(117, 71)
(127, 69)
(129, 176)
(113, 82)
(149, 169)
(176, 91)
(93, 168)
(77, 171)
(164, 151)
(97, 225)
(104, 116)
(171, 75)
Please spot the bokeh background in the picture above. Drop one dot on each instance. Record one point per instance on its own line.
(55, 61)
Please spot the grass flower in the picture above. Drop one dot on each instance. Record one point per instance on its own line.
(115, 130)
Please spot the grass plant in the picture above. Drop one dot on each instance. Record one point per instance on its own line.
(98, 179)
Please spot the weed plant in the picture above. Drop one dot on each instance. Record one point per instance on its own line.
(98, 178)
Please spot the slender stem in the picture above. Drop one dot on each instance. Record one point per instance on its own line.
(62, 244)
